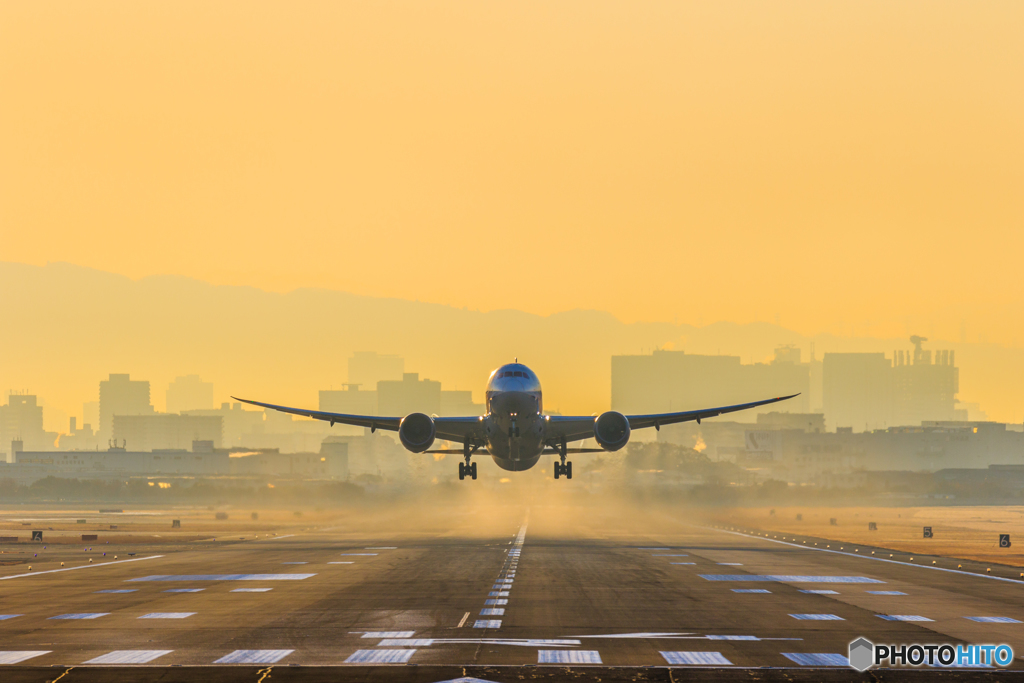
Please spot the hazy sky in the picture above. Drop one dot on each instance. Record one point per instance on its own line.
(852, 167)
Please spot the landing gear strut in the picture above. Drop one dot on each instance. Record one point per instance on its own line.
(467, 469)
(563, 467)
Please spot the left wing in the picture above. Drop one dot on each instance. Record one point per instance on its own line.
(446, 428)
(576, 428)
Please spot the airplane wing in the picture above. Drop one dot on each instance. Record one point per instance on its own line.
(447, 428)
(576, 428)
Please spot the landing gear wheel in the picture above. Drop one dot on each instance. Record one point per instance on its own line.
(462, 471)
(558, 470)
(568, 470)
(472, 471)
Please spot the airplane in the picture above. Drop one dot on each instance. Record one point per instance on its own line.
(515, 432)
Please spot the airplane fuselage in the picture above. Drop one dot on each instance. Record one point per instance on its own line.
(514, 422)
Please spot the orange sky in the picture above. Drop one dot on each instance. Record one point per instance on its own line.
(850, 167)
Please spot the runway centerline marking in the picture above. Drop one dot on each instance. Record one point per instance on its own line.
(84, 566)
(224, 577)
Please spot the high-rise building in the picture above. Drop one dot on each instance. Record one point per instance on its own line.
(670, 381)
(22, 420)
(366, 368)
(867, 391)
(166, 431)
(408, 395)
(350, 401)
(189, 393)
(120, 395)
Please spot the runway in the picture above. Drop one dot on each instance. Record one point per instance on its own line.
(607, 597)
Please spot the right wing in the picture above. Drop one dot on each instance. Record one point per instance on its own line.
(577, 428)
(446, 428)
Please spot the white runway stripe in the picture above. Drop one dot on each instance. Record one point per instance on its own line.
(568, 657)
(184, 590)
(8, 616)
(167, 615)
(492, 612)
(224, 577)
(902, 617)
(254, 657)
(251, 590)
(496, 601)
(118, 590)
(406, 642)
(16, 656)
(129, 656)
(817, 658)
(380, 656)
(86, 615)
(817, 617)
(388, 634)
(993, 620)
(84, 566)
(487, 623)
(712, 658)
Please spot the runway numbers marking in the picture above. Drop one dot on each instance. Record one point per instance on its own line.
(885, 592)
(568, 657)
(167, 615)
(8, 616)
(902, 617)
(487, 623)
(821, 592)
(184, 590)
(224, 577)
(380, 656)
(119, 590)
(86, 615)
(993, 620)
(750, 590)
(817, 658)
(254, 657)
(129, 657)
(713, 658)
(788, 578)
(388, 634)
(251, 590)
(492, 612)
(817, 617)
(17, 656)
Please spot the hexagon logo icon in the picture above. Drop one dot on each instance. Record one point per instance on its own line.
(862, 654)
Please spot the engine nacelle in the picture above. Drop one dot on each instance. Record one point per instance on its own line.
(611, 430)
(416, 432)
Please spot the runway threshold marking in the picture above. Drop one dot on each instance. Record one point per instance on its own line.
(568, 657)
(129, 657)
(380, 656)
(705, 658)
(84, 566)
(18, 656)
(865, 557)
(817, 658)
(254, 657)
(993, 620)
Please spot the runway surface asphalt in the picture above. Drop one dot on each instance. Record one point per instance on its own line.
(614, 599)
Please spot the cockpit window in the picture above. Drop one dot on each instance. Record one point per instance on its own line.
(517, 374)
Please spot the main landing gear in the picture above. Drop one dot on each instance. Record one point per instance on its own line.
(563, 467)
(467, 469)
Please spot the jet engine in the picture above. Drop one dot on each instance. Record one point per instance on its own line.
(416, 432)
(611, 429)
